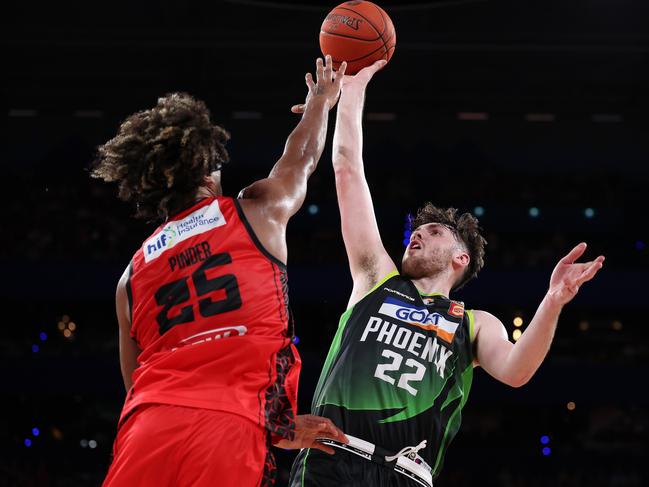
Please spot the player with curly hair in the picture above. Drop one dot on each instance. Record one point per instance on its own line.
(400, 367)
(205, 333)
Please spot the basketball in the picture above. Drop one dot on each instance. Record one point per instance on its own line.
(358, 32)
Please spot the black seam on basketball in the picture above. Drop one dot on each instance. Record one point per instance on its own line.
(387, 51)
(366, 19)
(385, 44)
(385, 23)
(380, 11)
(362, 57)
(391, 40)
(348, 37)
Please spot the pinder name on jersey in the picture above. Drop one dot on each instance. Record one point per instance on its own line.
(420, 317)
(174, 232)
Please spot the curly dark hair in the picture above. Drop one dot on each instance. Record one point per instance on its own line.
(160, 156)
(466, 229)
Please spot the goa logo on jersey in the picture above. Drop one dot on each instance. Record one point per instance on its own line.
(419, 317)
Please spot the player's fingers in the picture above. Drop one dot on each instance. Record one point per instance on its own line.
(330, 430)
(590, 272)
(340, 74)
(574, 254)
(319, 446)
(319, 69)
(309, 82)
(378, 65)
(298, 108)
(328, 68)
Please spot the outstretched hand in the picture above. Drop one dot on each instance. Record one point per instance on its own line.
(360, 79)
(327, 84)
(363, 77)
(569, 275)
(309, 427)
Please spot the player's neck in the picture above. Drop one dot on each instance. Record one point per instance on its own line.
(438, 284)
(207, 192)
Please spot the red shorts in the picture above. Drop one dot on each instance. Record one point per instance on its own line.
(162, 445)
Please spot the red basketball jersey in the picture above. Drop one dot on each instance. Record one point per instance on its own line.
(209, 310)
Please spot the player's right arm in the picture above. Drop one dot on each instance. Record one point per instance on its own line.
(128, 349)
(270, 202)
(368, 260)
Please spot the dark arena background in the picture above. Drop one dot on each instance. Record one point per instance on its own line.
(532, 115)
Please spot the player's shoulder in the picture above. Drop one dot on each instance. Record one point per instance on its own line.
(484, 319)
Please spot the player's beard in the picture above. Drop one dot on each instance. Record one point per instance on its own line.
(418, 266)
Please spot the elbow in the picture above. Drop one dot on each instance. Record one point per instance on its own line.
(518, 380)
(516, 383)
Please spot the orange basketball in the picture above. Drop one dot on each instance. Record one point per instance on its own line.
(358, 32)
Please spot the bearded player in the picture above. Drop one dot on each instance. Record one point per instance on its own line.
(206, 347)
(400, 367)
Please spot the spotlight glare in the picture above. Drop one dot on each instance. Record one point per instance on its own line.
(545, 439)
(92, 444)
(571, 406)
(84, 443)
(516, 334)
(43, 336)
(313, 209)
(67, 333)
(35, 431)
(617, 325)
(534, 212)
(35, 348)
(72, 326)
(518, 321)
(28, 442)
(546, 451)
(61, 326)
(589, 213)
(478, 211)
(296, 339)
(584, 325)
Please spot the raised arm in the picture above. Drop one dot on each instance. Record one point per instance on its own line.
(270, 202)
(515, 364)
(368, 259)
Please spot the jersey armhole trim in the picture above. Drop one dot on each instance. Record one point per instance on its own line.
(376, 286)
(253, 235)
(469, 313)
(381, 282)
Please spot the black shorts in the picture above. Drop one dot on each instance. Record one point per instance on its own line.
(314, 468)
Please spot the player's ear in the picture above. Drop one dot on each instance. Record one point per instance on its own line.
(213, 182)
(461, 259)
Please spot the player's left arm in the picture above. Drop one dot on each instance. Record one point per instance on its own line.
(515, 364)
(128, 349)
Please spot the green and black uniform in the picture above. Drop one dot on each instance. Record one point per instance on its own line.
(398, 372)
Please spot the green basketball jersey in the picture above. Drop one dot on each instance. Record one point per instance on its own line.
(399, 369)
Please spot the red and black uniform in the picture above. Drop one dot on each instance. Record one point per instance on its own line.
(209, 310)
